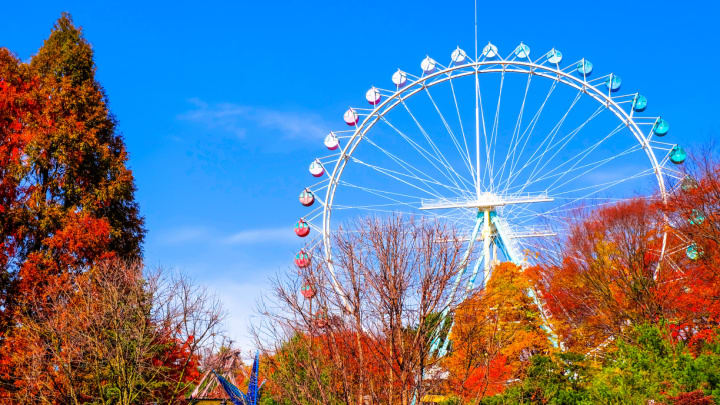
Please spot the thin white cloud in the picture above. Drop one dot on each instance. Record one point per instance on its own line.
(241, 119)
(192, 234)
(266, 235)
(183, 235)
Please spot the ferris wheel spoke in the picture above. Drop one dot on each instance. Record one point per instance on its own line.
(397, 176)
(493, 133)
(529, 130)
(454, 220)
(527, 134)
(434, 147)
(462, 131)
(558, 221)
(570, 205)
(592, 166)
(427, 180)
(464, 157)
(480, 119)
(411, 203)
(562, 142)
(577, 158)
(525, 215)
(538, 248)
(382, 193)
(604, 186)
(372, 206)
(529, 215)
(547, 139)
(429, 157)
(596, 165)
(514, 139)
(600, 187)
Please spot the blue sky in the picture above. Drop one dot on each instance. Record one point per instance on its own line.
(223, 104)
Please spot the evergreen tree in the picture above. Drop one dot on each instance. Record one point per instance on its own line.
(66, 195)
(79, 164)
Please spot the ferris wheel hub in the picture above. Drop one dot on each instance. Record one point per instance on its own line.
(485, 201)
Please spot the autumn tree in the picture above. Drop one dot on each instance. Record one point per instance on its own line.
(364, 336)
(496, 330)
(77, 166)
(17, 108)
(608, 273)
(66, 195)
(117, 337)
(604, 274)
(692, 275)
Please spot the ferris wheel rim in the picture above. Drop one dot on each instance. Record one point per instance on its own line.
(411, 88)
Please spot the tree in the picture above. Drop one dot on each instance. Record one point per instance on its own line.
(116, 338)
(496, 330)
(559, 378)
(646, 365)
(369, 343)
(66, 195)
(17, 109)
(605, 276)
(650, 364)
(694, 212)
(609, 274)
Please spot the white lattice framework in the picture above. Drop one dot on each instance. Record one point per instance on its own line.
(486, 179)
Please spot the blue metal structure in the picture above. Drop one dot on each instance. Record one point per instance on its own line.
(238, 397)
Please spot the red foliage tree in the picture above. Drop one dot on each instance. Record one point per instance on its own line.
(610, 276)
(605, 276)
(66, 196)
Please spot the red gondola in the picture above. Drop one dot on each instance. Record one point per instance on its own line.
(307, 198)
(302, 229)
(302, 259)
(321, 319)
(307, 291)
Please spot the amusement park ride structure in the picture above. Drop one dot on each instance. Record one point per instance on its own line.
(220, 374)
(548, 170)
(496, 201)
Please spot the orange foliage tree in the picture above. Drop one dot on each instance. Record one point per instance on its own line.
(18, 107)
(495, 331)
(77, 323)
(114, 337)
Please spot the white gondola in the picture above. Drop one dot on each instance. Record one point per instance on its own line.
(522, 51)
(584, 67)
(351, 117)
(613, 82)
(554, 56)
(331, 141)
(316, 168)
(490, 51)
(373, 96)
(428, 65)
(399, 78)
(458, 56)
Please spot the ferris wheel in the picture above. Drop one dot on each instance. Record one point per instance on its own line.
(500, 146)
